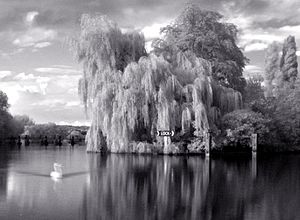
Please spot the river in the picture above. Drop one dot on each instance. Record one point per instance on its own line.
(123, 186)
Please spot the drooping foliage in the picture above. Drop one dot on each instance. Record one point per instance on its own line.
(272, 77)
(288, 63)
(132, 95)
(203, 33)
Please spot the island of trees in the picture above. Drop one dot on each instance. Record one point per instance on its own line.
(192, 82)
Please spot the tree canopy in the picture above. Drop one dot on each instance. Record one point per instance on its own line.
(272, 77)
(288, 63)
(9, 125)
(208, 37)
(3, 101)
(148, 92)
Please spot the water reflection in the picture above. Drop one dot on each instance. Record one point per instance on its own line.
(32, 194)
(114, 186)
(144, 187)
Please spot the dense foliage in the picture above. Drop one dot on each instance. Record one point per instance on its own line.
(288, 63)
(287, 117)
(241, 124)
(253, 90)
(190, 80)
(282, 89)
(52, 131)
(151, 93)
(203, 33)
(20, 122)
(273, 76)
(10, 125)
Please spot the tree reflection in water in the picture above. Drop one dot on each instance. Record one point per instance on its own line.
(163, 187)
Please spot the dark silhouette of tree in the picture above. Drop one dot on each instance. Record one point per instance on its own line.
(9, 125)
(21, 121)
(3, 101)
(5, 118)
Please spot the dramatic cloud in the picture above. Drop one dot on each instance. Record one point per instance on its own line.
(34, 95)
(36, 68)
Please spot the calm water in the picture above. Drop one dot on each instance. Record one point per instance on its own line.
(147, 187)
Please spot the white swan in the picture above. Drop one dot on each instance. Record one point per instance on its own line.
(57, 173)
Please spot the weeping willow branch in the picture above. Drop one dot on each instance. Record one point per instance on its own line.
(131, 95)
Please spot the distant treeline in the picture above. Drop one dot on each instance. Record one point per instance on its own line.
(53, 131)
(20, 125)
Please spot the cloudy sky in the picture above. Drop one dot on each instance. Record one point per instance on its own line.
(40, 76)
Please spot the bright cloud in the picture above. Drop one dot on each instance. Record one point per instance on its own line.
(11, 90)
(153, 31)
(5, 73)
(33, 83)
(33, 36)
(58, 70)
(54, 102)
(295, 30)
(264, 37)
(74, 123)
(30, 17)
(49, 102)
(252, 68)
(42, 44)
(240, 21)
(44, 96)
(148, 46)
(73, 91)
(24, 76)
(252, 71)
(255, 46)
(73, 103)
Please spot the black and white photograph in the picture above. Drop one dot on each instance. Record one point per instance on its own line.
(147, 109)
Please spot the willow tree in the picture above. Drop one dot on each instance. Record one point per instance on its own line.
(130, 95)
